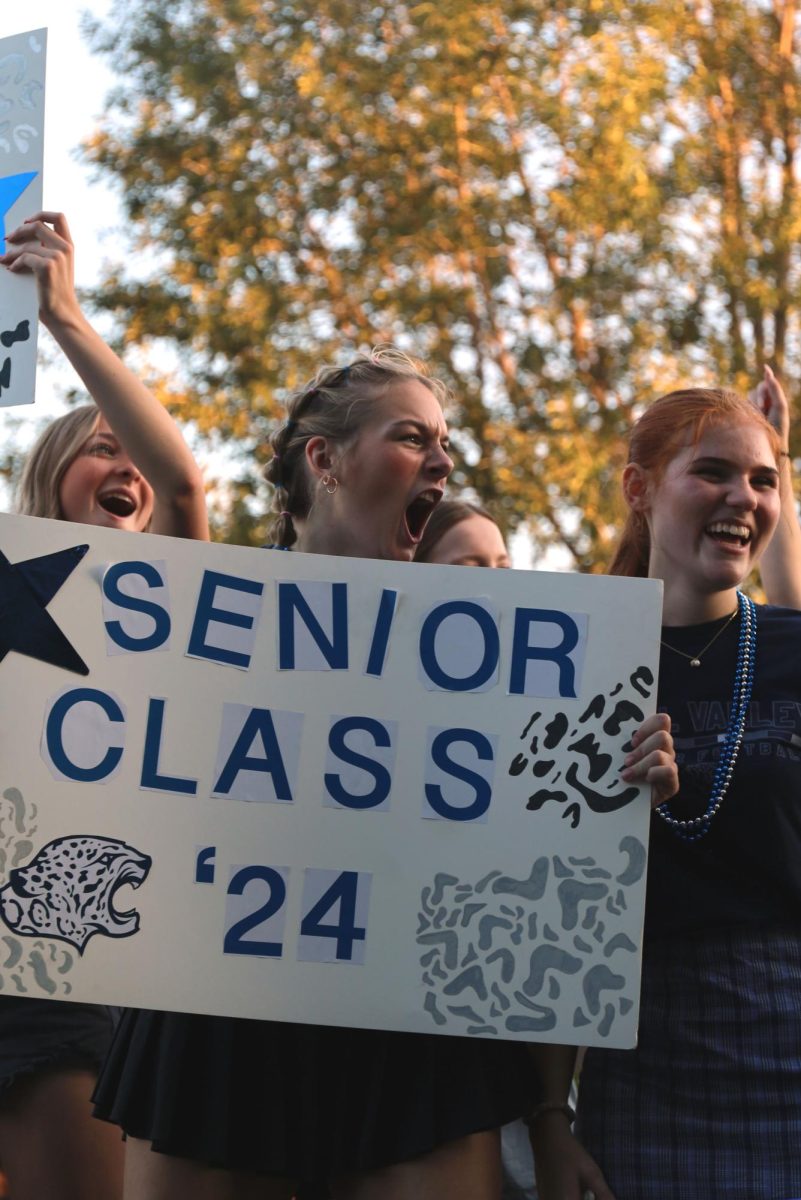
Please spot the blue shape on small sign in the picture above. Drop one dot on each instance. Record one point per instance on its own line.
(11, 188)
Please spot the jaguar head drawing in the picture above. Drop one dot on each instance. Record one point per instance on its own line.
(67, 890)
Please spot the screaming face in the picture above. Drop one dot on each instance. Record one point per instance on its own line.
(390, 478)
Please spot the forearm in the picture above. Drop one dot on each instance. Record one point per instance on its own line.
(142, 425)
(564, 1169)
(554, 1065)
(780, 567)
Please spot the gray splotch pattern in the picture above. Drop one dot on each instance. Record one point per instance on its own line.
(35, 969)
(483, 963)
(21, 95)
(27, 967)
(33, 957)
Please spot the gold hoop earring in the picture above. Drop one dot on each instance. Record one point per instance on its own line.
(330, 484)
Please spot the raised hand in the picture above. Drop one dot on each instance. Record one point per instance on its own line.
(769, 398)
(42, 246)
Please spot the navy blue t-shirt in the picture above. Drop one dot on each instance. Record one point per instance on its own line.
(748, 866)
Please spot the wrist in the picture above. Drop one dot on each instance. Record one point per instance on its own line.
(548, 1110)
(68, 325)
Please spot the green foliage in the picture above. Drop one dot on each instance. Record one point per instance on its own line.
(566, 208)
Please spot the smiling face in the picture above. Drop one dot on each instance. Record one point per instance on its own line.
(390, 478)
(473, 542)
(101, 486)
(711, 514)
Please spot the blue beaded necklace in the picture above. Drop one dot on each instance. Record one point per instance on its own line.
(698, 827)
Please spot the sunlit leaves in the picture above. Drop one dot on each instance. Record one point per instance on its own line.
(565, 207)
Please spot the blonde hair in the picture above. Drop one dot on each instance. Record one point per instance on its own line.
(49, 460)
(337, 403)
(662, 431)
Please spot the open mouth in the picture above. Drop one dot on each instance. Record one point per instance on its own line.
(418, 512)
(119, 504)
(133, 874)
(729, 533)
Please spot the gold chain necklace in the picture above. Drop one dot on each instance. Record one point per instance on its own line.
(695, 659)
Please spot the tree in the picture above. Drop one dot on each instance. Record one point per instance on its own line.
(565, 207)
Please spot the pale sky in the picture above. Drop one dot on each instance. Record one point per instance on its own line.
(77, 82)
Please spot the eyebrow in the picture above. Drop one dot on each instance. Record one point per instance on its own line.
(103, 437)
(421, 426)
(710, 461)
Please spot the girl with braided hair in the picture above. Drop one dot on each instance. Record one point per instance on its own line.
(259, 1109)
(341, 408)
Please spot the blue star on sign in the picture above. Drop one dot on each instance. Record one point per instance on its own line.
(11, 188)
(26, 588)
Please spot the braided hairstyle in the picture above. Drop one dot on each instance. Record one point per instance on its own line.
(337, 403)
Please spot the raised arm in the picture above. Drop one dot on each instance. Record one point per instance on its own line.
(43, 246)
(781, 563)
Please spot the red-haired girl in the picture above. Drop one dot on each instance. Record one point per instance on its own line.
(709, 1103)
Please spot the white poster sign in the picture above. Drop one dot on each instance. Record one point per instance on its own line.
(266, 784)
(22, 96)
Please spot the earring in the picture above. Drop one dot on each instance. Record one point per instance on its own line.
(330, 484)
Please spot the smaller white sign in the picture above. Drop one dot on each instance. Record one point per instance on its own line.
(21, 156)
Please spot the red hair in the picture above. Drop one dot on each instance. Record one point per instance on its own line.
(671, 423)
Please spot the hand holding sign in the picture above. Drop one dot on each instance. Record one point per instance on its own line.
(141, 440)
(42, 245)
(653, 759)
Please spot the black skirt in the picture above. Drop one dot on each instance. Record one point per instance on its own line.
(51, 1035)
(306, 1102)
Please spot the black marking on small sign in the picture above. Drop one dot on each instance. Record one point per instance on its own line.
(21, 334)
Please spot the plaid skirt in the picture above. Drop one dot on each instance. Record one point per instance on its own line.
(709, 1104)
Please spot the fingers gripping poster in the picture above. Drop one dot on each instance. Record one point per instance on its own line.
(22, 94)
(318, 789)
